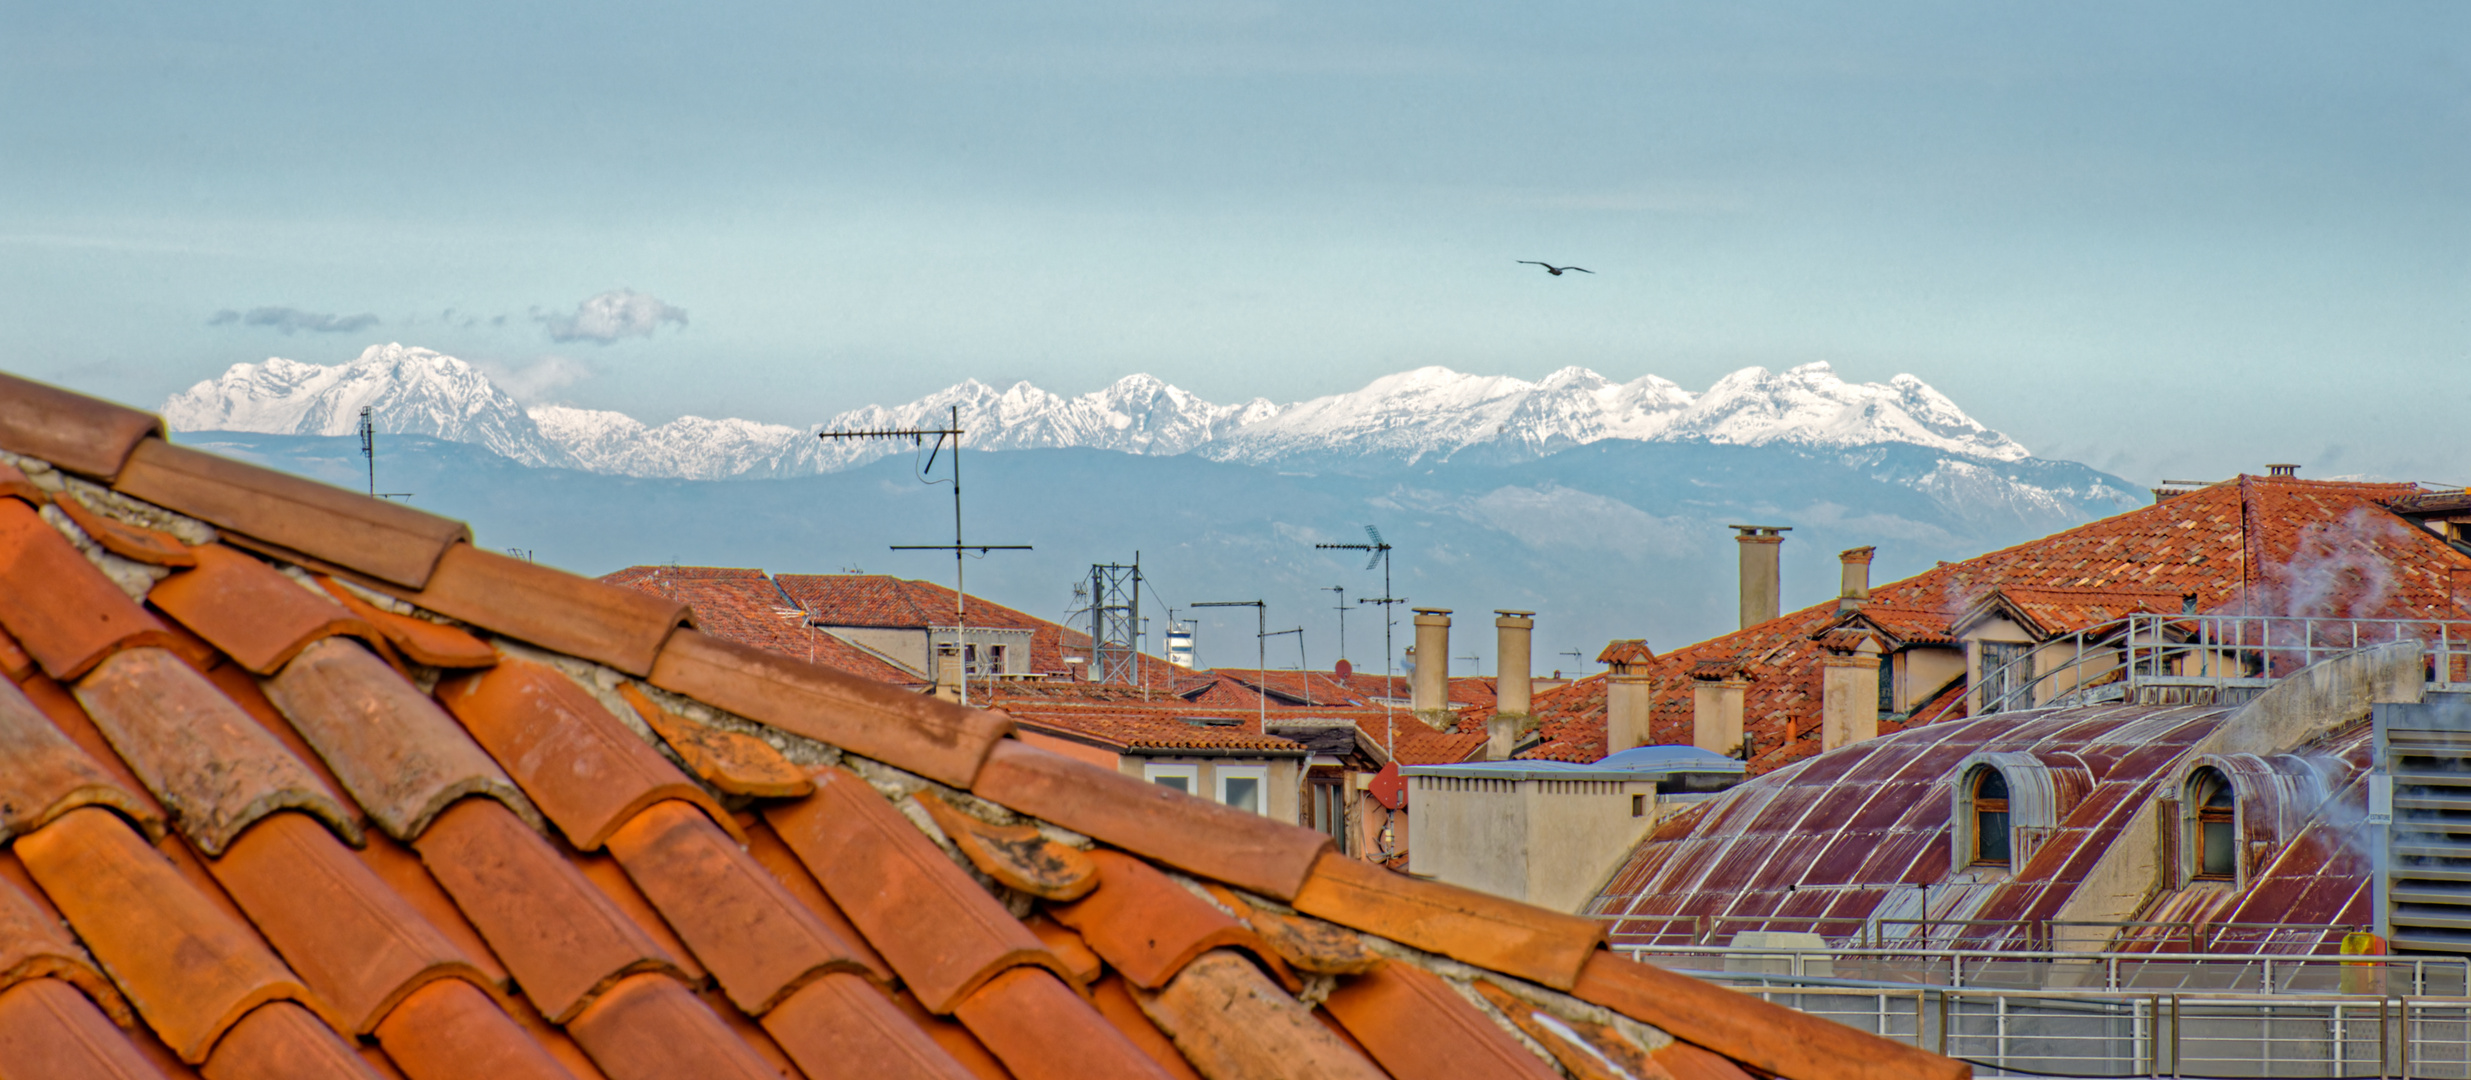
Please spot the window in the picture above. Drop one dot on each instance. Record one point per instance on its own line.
(1325, 808)
(1990, 817)
(2214, 852)
(1244, 786)
(2003, 679)
(1638, 806)
(1887, 685)
(1184, 778)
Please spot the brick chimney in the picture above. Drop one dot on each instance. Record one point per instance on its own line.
(1848, 690)
(948, 673)
(1759, 544)
(1629, 695)
(1429, 691)
(1856, 577)
(1513, 706)
(1716, 692)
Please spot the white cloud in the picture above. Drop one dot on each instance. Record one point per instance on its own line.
(618, 313)
(533, 383)
(289, 320)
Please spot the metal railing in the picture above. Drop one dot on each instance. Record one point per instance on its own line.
(2107, 972)
(1908, 932)
(2194, 658)
(2075, 1034)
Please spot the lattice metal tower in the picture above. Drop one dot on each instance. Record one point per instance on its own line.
(1115, 622)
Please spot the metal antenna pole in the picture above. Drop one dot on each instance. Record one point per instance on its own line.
(1261, 646)
(1380, 550)
(960, 594)
(1341, 590)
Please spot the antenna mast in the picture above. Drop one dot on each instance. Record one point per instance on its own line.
(960, 596)
(1261, 645)
(369, 449)
(1380, 550)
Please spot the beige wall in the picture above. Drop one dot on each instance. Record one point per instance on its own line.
(1280, 794)
(1547, 842)
(1922, 669)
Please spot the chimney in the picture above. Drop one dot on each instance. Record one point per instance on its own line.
(1429, 693)
(1629, 695)
(948, 673)
(1512, 701)
(1716, 692)
(2282, 470)
(1856, 576)
(1849, 695)
(1759, 545)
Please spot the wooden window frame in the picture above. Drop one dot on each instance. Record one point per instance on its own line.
(2206, 784)
(1979, 806)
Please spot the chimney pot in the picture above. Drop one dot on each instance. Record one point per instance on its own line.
(1429, 693)
(1856, 578)
(1759, 544)
(2282, 470)
(1512, 691)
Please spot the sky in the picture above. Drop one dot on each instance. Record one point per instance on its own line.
(2172, 241)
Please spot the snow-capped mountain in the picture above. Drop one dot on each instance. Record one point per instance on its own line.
(1412, 416)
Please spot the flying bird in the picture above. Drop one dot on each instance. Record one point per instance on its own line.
(1556, 271)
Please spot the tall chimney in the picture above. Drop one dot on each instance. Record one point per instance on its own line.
(1429, 694)
(1849, 695)
(1510, 688)
(1629, 695)
(1716, 693)
(1856, 589)
(1759, 545)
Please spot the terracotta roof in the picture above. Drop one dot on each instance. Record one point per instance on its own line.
(2051, 612)
(2263, 545)
(745, 606)
(327, 867)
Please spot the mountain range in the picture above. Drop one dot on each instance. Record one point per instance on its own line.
(1427, 414)
(1600, 505)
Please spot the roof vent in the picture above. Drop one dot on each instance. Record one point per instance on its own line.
(2282, 470)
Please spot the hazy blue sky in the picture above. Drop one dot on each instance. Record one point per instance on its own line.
(2165, 239)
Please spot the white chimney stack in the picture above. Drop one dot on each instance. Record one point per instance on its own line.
(1759, 549)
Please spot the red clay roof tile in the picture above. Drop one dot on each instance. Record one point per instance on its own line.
(1023, 1014)
(15, 485)
(1586, 1050)
(1230, 1020)
(1081, 966)
(747, 607)
(284, 514)
(392, 747)
(250, 611)
(1243, 849)
(757, 940)
(579, 764)
(1113, 998)
(349, 937)
(452, 1030)
(48, 1029)
(954, 1039)
(212, 766)
(75, 432)
(648, 1027)
(1485, 930)
(43, 775)
(14, 663)
(34, 945)
(1769, 1036)
(766, 848)
(1682, 1061)
(935, 739)
(550, 608)
(734, 762)
(1305, 943)
(937, 928)
(190, 970)
(133, 542)
(434, 644)
(558, 934)
(1018, 855)
(62, 610)
(1147, 926)
(841, 1025)
(1415, 1025)
(282, 1041)
(400, 868)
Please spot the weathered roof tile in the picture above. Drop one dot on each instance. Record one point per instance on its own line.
(1017, 855)
(62, 610)
(734, 762)
(75, 432)
(1415, 1025)
(1481, 929)
(250, 611)
(648, 1027)
(619, 627)
(48, 1029)
(43, 775)
(1024, 1013)
(841, 1025)
(1230, 1020)
(451, 1030)
(425, 642)
(285, 514)
(134, 542)
(1147, 926)
(282, 1041)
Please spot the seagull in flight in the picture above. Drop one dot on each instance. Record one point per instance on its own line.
(1556, 271)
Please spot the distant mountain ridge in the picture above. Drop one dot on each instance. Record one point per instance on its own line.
(1429, 413)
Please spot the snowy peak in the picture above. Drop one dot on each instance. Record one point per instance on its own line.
(1410, 416)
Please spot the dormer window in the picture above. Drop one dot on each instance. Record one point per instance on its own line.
(1990, 817)
(2213, 852)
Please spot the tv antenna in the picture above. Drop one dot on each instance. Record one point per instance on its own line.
(960, 597)
(1341, 590)
(1261, 645)
(1302, 672)
(1380, 550)
(369, 449)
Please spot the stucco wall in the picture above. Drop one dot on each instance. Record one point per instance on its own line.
(1280, 797)
(1547, 842)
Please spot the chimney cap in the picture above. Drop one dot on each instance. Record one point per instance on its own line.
(2282, 469)
(1857, 555)
(1430, 610)
(1748, 531)
(1515, 614)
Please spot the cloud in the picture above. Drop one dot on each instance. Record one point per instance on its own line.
(618, 313)
(533, 383)
(290, 320)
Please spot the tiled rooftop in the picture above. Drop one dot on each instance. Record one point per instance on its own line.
(2260, 545)
(299, 783)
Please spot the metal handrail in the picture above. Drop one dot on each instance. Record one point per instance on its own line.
(2199, 934)
(2265, 963)
(2142, 650)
